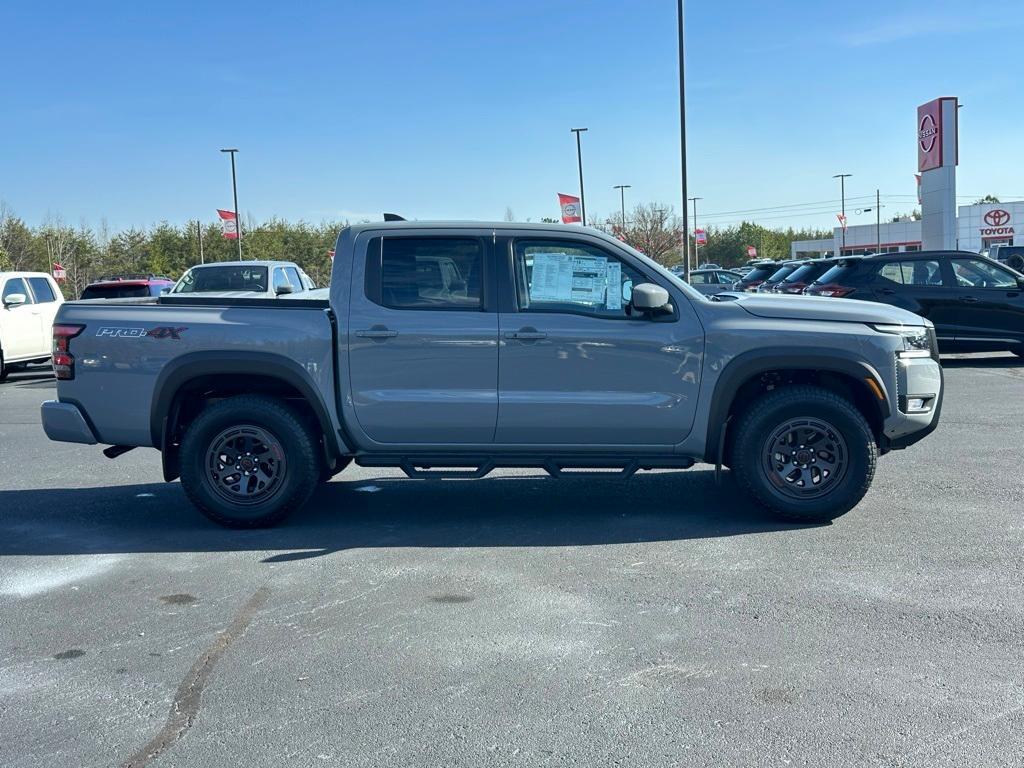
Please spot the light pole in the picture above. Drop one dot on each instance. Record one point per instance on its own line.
(878, 219)
(682, 141)
(579, 162)
(696, 247)
(234, 191)
(622, 198)
(842, 193)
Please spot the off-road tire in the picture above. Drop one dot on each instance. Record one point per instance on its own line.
(753, 450)
(286, 433)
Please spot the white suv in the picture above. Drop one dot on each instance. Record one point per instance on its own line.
(30, 302)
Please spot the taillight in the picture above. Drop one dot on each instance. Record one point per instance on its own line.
(63, 360)
(830, 289)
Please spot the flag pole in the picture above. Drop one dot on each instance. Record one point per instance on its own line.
(234, 190)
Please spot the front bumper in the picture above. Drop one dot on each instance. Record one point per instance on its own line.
(915, 378)
(65, 423)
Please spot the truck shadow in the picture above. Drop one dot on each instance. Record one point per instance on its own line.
(527, 511)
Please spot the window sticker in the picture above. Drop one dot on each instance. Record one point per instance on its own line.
(590, 280)
(615, 287)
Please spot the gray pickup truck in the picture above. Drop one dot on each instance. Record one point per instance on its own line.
(552, 347)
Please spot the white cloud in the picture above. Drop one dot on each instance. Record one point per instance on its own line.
(906, 27)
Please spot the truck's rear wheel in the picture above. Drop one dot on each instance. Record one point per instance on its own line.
(805, 453)
(248, 461)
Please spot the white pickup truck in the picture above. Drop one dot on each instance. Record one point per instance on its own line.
(30, 302)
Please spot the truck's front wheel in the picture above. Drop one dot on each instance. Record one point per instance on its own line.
(805, 453)
(248, 461)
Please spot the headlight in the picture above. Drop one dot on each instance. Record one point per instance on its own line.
(916, 339)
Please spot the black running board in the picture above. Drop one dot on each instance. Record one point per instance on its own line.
(422, 467)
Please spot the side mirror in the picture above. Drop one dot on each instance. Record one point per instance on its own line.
(15, 299)
(280, 290)
(165, 290)
(1020, 283)
(650, 299)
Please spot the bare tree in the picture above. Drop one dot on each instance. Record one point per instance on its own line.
(509, 216)
(655, 231)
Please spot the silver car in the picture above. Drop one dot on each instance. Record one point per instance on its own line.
(243, 279)
(712, 281)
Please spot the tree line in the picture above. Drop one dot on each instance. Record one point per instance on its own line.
(88, 254)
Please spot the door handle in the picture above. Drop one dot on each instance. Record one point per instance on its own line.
(526, 334)
(970, 299)
(887, 291)
(377, 332)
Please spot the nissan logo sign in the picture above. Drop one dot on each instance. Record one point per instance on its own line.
(997, 217)
(928, 133)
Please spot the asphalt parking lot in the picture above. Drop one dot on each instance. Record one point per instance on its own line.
(517, 620)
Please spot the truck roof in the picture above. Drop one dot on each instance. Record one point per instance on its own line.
(246, 263)
(464, 224)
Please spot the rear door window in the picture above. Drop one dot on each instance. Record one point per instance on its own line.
(425, 273)
(921, 273)
(916, 273)
(42, 290)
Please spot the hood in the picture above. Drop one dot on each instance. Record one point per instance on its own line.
(825, 308)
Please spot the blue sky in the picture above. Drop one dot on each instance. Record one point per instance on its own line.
(459, 109)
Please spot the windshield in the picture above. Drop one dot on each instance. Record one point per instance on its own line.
(236, 277)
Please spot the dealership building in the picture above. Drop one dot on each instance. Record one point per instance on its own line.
(978, 227)
(943, 225)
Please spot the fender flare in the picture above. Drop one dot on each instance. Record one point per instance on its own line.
(744, 366)
(183, 369)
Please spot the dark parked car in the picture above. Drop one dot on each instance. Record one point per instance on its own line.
(760, 271)
(976, 304)
(131, 287)
(805, 274)
(785, 269)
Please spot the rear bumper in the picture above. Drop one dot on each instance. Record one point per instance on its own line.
(65, 423)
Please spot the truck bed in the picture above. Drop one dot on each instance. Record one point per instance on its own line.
(131, 350)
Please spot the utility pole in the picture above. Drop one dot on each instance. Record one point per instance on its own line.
(622, 198)
(842, 192)
(878, 220)
(199, 231)
(682, 141)
(579, 162)
(234, 190)
(696, 247)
